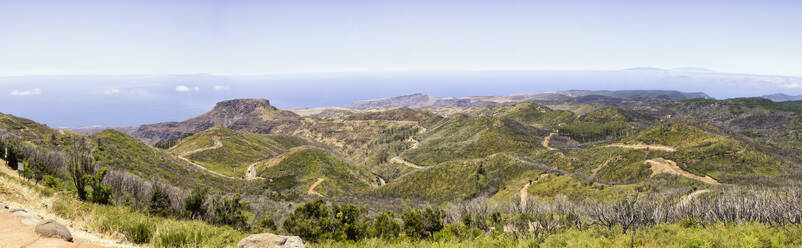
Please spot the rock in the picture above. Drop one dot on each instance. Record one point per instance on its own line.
(14, 210)
(52, 229)
(24, 215)
(269, 240)
(31, 222)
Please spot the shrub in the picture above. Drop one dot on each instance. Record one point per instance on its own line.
(413, 223)
(385, 227)
(159, 203)
(267, 225)
(137, 232)
(193, 204)
(313, 221)
(229, 211)
(100, 193)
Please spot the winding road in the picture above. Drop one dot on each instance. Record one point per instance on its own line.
(660, 165)
(644, 146)
(404, 162)
(546, 141)
(312, 191)
(217, 144)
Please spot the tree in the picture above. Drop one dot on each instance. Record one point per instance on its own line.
(193, 204)
(100, 193)
(81, 164)
(413, 223)
(229, 211)
(159, 203)
(385, 227)
(314, 221)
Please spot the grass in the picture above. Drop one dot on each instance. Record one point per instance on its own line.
(663, 235)
(143, 229)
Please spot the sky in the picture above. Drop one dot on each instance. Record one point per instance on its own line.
(300, 37)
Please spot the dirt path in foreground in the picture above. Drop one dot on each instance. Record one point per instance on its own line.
(644, 146)
(13, 231)
(660, 165)
(312, 191)
(404, 162)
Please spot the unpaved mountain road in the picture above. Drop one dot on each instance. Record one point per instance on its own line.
(660, 165)
(217, 144)
(644, 147)
(252, 171)
(546, 141)
(524, 192)
(404, 162)
(312, 191)
(685, 200)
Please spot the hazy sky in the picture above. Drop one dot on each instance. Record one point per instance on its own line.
(266, 37)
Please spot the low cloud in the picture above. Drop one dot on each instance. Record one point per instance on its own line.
(795, 85)
(221, 87)
(109, 91)
(36, 91)
(184, 88)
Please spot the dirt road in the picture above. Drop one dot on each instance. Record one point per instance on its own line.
(660, 165)
(312, 191)
(404, 162)
(546, 141)
(645, 146)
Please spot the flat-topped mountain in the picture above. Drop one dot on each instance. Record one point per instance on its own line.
(252, 115)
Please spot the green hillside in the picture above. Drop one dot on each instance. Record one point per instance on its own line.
(299, 169)
(464, 137)
(120, 151)
(237, 151)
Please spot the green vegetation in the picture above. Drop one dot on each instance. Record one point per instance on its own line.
(462, 137)
(456, 180)
(316, 221)
(122, 152)
(664, 235)
(674, 135)
(140, 228)
(575, 188)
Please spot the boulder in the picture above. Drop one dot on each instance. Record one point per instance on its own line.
(52, 229)
(269, 240)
